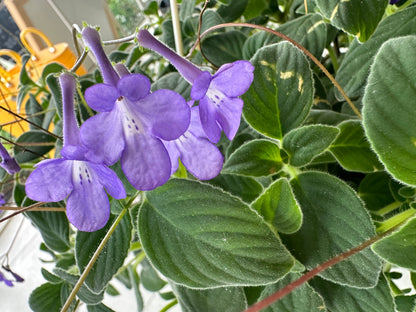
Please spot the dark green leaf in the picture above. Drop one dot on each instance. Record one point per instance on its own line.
(175, 82)
(391, 129)
(357, 17)
(51, 69)
(305, 143)
(302, 299)
(34, 112)
(255, 158)
(278, 206)
(111, 257)
(46, 297)
(233, 10)
(374, 189)
(99, 308)
(226, 299)
(352, 150)
(32, 145)
(281, 94)
(149, 277)
(51, 278)
(405, 303)
(334, 221)
(53, 85)
(199, 236)
(186, 9)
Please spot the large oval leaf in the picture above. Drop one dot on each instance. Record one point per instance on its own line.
(281, 94)
(357, 17)
(334, 221)
(389, 114)
(202, 237)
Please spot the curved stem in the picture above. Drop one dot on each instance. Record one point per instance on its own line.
(169, 305)
(92, 261)
(295, 43)
(322, 267)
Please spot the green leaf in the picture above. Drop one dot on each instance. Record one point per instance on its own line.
(51, 69)
(53, 226)
(334, 221)
(247, 188)
(201, 237)
(209, 19)
(186, 9)
(281, 94)
(400, 247)
(24, 75)
(255, 158)
(356, 17)
(374, 190)
(175, 82)
(32, 145)
(309, 31)
(224, 48)
(391, 129)
(278, 207)
(34, 112)
(405, 303)
(46, 297)
(111, 257)
(355, 67)
(233, 10)
(352, 150)
(326, 117)
(53, 84)
(99, 308)
(346, 299)
(305, 143)
(149, 277)
(224, 299)
(51, 278)
(302, 299)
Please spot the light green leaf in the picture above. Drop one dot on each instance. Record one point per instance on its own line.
(356, 17)
(255, 158)
(247, 188)
(305, 143)
(281, 94)
(355, 67)
(199, 236)
(346, 299)
(334, 221)
(308, 30)
(352, 150)
(278, 207)
(400, 247)
(389, 113)
(302, 299)
(224, 47)
(224, 299)
(110, 259)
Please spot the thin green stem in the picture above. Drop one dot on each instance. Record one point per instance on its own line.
(93, 260)
(396, 219)
(169, 305)
(389, 208)
(295, 43)
(176, 26)
(333, 57)
(121, 40)
(322, 267)
(79, 61)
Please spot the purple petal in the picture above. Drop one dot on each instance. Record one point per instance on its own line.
(229, 116)
(121, 69)
(8, 163)
(109, 180)
(208, 117)
(5, 280)
(88, 207)
(70, 125)
(200, 86)
(166, 112)
(202, 158)
(134, 86)
(195, 126)
(103, 134)
(101, 97)
(51, 181)
(233, 79)
(145, 162)
(174, 155)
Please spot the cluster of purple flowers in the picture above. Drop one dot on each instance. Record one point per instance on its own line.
(146, 131)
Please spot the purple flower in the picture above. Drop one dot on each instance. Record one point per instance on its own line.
(132, 122)
(219, 105)
(74, 175)
(8, 282)
(2, 199)
(8, 163)
(202, 158)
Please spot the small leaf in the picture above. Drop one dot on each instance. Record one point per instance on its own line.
(391, 129)
(46, 297)
(111, 257)
(278, 207)
(281, 94)
(340, 298)
(400, 247)
(302, 299)
(357, 17)
(255, 158)
(32, 145)
(53, 85)
(352, 150)
(224, 299)
(305, 143)
(334, 221)
(51, 69)
(149, 277)
(201, 237)
(374, 189)
(405, 303)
